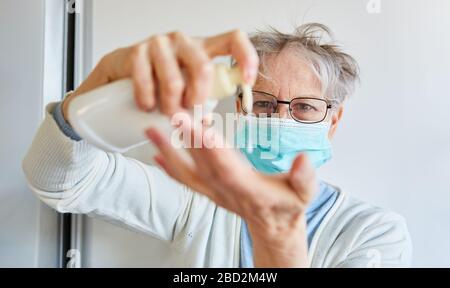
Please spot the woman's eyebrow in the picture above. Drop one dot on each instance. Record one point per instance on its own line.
(262, 91)
(308, 96)
(297, 96)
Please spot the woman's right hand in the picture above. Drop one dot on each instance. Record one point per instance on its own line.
(155, 67)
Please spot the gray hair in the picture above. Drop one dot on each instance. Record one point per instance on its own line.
(337, 71)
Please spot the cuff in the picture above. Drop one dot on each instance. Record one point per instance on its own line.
(63, 125)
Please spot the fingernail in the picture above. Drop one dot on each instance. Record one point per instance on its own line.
(250, 75)
(152, 134)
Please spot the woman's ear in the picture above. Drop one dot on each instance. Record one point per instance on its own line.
(335, 119)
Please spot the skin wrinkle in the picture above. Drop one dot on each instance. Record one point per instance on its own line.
(315, 43)
(289, 77)
(290, 72)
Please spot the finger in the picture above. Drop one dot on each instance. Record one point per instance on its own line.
(175, 165)
(171, 170)
(159, 159)
(204, 141)
(198, 66)
(207, 120)
(141, 74)
(213, 155)
(238, 45)
(193, 141)
(168, 73)
(168, 152)
(117, 64)
(302, 178)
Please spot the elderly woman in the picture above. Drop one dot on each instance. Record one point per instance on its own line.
(222, 210)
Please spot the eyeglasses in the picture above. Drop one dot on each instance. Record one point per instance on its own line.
(308, 110)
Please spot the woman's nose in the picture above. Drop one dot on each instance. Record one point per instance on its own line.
(283, 111)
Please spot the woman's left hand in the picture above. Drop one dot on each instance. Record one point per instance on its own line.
(273, 205)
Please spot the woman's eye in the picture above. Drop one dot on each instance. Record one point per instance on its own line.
(262, 104)
(304, 108)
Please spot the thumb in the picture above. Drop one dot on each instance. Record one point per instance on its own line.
(302, 178)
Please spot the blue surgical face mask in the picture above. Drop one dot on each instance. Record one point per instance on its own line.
(272, 144)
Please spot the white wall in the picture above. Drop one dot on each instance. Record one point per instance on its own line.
(393, 146)
(28, 229)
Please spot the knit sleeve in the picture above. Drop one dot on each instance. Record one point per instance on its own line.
(381, 240)
(76, 177)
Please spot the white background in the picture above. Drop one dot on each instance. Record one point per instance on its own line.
(393, 148)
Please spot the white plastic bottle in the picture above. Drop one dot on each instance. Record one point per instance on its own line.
(108, 117)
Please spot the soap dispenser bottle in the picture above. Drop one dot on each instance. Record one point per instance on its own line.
(108, 118)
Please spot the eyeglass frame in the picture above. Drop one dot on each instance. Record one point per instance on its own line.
(329, 105)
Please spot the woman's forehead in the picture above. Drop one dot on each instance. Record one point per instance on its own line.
(288, 75)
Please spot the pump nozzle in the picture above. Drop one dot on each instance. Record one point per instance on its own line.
(226, 82)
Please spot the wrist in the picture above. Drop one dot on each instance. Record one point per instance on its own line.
(286, 248)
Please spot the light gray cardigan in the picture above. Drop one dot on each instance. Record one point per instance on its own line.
(76, 177)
